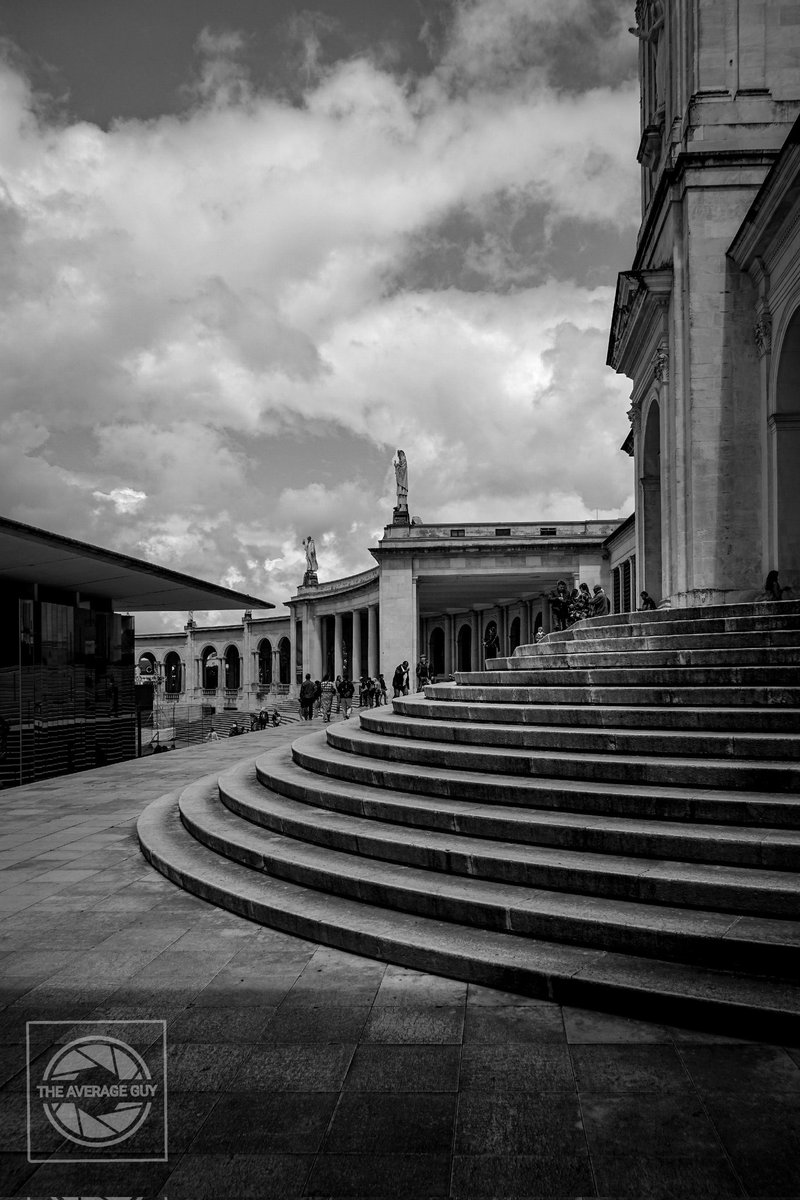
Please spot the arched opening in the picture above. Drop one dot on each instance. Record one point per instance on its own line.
(436, 652)
(173, 673)
(651, 503)
(233, 671)
(284, 652)
(464, 648)
(147, 664)
(514, 635)
(785, 422)
(209, 668)
(265, 663)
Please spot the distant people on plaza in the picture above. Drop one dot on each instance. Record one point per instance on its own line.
(307, 698)
(255, 723)
(346, 695)
(648, 603)
(315, 704)
(601, 605)
(362, 691)
(773, 589)
(423, 673)
(400, 679)
(383, 690)
(263, 719)
(326, 698)
(338, 688)
(276, 717)
(234, 730)
(559, 605)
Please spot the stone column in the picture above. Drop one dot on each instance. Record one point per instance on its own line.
(188, 665)
(337, 644)
(475, 649)
(355, 660)
(448, 643)
(276, 666)
(316, 649)
(372, 640)
(547, 615)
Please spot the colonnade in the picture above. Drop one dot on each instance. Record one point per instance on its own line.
(355, 641)
(476, 619)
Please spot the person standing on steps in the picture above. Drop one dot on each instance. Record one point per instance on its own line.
(648, 603)
(400, 679)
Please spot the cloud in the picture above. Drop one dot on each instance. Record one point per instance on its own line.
(217, 327)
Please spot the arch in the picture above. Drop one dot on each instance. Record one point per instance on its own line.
(651, 503)
(464, 648)
(514, 635)
(265, 663)
(284, 660)
(209, 668)
(785, 456)
(173, 673)
(436, 651)
(233, 668)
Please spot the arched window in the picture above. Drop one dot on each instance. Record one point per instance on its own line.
(265, 663)
(173, 674)
(209, 667)
(232, 669)
(464, 648)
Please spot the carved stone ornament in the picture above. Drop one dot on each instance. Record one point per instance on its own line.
(762, 331)
(661, 365)
(635, 418)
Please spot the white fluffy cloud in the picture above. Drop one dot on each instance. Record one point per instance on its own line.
(184, 299)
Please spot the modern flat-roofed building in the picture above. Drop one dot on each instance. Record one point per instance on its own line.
(67, 653)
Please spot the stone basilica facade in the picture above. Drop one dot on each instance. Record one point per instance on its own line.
(706, 325)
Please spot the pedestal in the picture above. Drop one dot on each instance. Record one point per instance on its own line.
(400, 516)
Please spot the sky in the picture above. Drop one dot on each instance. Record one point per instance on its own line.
(250, 249)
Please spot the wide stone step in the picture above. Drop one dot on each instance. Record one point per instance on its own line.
(669, 624)
(585, 656)
(505, 688)
(661, 769)
(603, 740)
(628, 983)
(719, 886)
(636, 640)
(280, 845)
(760, 611)
(766, 675)
(598, 833)
(771, 720)
(692, 803)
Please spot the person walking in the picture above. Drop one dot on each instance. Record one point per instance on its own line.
(384, 693)
(338, 686)
(307, 698)
(346, 694)
(326, 699)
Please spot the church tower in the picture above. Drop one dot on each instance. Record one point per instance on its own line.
(719, 95)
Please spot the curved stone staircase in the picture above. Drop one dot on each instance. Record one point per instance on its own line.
(608, 819)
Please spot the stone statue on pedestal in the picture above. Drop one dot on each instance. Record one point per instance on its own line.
(310, 577)
(401, 478)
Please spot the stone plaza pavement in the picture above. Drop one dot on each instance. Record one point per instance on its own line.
(297, 1070)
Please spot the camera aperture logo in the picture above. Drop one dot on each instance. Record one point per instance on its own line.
(98, 1092)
